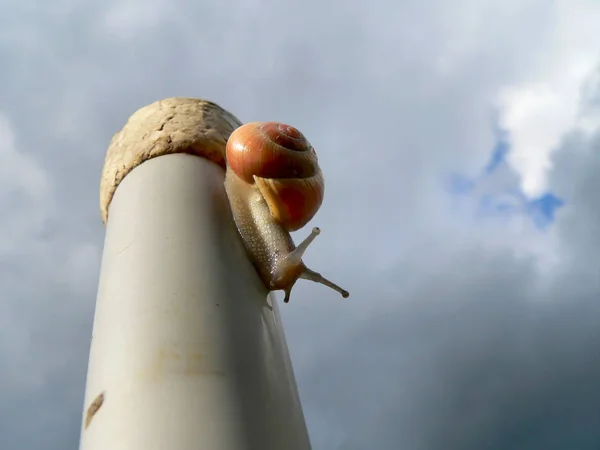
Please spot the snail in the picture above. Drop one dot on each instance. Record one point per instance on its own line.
(275, 186)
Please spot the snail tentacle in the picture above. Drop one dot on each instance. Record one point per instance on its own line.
(294, 258)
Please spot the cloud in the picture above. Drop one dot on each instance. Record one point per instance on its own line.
(129, 19)
(40, 346)
(497, 192)
(462, 331)
(546, 104)
(25, 195)
(493, 351)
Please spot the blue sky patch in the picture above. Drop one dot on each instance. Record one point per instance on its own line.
(498, 193)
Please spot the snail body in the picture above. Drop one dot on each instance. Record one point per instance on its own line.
(274, 185)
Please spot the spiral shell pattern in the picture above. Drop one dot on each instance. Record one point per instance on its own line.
(283, 165)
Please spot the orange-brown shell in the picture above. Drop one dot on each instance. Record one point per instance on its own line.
(284, 167)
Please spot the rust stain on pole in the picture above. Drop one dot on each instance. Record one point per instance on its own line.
(93, 409)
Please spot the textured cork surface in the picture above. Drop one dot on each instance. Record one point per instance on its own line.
(174, 125)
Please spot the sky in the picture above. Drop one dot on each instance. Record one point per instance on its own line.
(460, 144)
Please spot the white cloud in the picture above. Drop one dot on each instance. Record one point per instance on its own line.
(545, 103)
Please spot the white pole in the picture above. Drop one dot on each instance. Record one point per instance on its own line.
(188, 351)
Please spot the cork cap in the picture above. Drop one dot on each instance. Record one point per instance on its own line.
(174, 125)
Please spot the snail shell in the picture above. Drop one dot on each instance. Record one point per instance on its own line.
(284, 166)
(275, 185)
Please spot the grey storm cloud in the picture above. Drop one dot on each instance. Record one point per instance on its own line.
(453, 337)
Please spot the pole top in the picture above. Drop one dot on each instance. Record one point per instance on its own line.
(173, 125)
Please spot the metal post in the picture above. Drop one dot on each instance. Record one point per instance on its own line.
(188, 350)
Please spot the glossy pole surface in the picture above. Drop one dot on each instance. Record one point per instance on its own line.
(188, 351)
